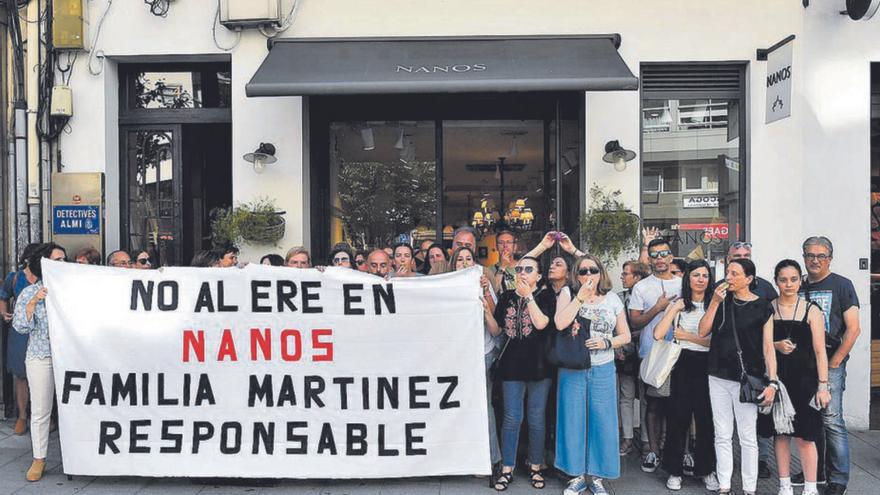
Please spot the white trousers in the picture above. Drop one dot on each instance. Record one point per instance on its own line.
(42, 384)
(726, 408)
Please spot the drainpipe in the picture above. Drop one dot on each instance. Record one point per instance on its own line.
(33, 141)
(22, 223)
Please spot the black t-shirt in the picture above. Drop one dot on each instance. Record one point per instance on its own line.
(834, 295)
(750, 319)
(764, 290)
(524, 357)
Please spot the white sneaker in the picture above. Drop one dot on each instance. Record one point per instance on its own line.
(711, 482)
(597, 487)
(785, 490)
(650, 463)
(575, 486)
(674, 483)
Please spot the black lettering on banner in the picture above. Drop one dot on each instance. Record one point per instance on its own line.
(356, 439)
(205, 392)
(412, 440)
(258, 295)
(326, 441)
(134, 437)
(260, 390)
(301, 440)
(145, 389)
(96, 391)
(120, 390)
(386, 295)
(160, 387)
(415, 393)
(221, 300)
(142, 292)
(204, 300)
(287, 393)
(365, 393)
(314, 386)
(451, 382)
(202, 431)
(69, 386)
(285, 291)
(343, 382)
(109, 432)
(389, 390)
(309, 295)
(225, 428)
(163, 303)
(187, 381)
(265, 436)
(383, 452)
(349, 299)
(176, 439)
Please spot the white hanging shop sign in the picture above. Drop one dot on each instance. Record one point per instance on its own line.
(779, 79)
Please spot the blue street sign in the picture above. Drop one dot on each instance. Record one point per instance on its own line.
(76, 220)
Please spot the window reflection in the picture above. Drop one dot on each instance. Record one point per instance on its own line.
(181, 89)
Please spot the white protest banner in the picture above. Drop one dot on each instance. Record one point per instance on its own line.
(267, 372)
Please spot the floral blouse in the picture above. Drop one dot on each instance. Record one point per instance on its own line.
(37, 326)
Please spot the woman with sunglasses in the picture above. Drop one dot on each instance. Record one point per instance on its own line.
(141, 260)
(689, 392)
(524, 315)
(360, 261)
(735, 308)
(341, 257)
(586, 421)
(435, 260)
(464, 258)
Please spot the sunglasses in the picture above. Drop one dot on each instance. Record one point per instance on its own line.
(592, 270)
(741, 244)
(660, 254)
(340, 260)
(143, 261)
(360, 262)
(527, 269)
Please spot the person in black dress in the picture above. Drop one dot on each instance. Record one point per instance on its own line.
(802, 365)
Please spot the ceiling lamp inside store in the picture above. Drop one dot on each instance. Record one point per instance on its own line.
(367, 138)
(262, 156)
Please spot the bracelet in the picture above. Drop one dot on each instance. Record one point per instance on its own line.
(579, 299)
(608, 344)
(774, 385)
(824, 387)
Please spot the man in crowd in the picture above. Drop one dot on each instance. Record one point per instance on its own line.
(650, 298)
(840, 304)
(740, 250)
(119, 259)
(501, 274)
(379, 263)
(464, 237)
(627, 360)
(298, 257)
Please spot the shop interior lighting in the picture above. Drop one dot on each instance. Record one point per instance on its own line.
(262, 156)
(368, 139)
(617, 155)
(570, 160)
(398, 145)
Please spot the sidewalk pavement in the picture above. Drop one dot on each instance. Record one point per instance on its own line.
(15, 458)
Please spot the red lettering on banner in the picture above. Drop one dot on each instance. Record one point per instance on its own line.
(317, 344)
(194, 343)
(227, 347)
(297, 346)
(261, 340)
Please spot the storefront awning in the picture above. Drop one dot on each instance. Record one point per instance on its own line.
(296, 67)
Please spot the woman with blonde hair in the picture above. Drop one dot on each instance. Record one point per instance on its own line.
(586, 425)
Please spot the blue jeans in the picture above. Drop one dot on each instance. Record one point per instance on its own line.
(514, 393)
(834, 447)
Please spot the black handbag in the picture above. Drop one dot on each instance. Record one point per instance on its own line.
(750, 387)
(567, 349)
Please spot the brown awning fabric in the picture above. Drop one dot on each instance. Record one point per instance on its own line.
(296, 67)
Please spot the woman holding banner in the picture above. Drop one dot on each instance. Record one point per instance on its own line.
(523, 315)
(586, 427)
(30, 318)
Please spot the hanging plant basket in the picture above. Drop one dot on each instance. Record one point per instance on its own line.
(263, 228)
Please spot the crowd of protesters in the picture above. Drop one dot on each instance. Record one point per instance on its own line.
(770, 364)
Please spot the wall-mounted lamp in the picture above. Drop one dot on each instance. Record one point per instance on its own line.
(618, 155)
(262, 156)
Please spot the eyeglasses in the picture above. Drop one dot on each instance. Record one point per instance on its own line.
(740, 245)
(340, 260)
(675, 272)
(527, 269)
(591, 270)
(143, 261)
(121, 263)
(660, 254)
(359, 261)
(820, 257)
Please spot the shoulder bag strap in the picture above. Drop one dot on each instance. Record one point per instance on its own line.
(739, 352)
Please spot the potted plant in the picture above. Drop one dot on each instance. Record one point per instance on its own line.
(257, 222)
(609, 229)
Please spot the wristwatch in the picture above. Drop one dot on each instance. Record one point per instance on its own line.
(528, 299)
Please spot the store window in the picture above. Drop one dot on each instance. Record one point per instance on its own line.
(693, 149)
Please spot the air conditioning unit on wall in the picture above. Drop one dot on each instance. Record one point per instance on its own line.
(238, 14)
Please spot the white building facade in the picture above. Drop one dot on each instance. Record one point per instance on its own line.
(700, 147)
